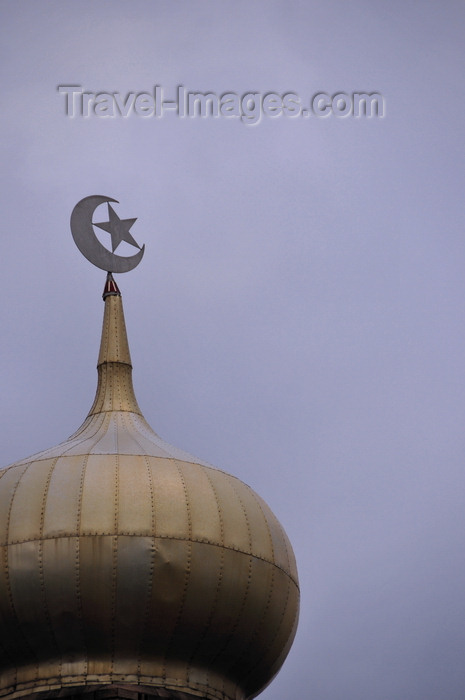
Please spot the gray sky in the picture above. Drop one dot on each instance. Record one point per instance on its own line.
(298, 318)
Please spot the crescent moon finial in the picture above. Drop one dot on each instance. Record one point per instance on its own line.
(82, 229)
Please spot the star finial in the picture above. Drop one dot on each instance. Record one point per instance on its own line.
(118, 229)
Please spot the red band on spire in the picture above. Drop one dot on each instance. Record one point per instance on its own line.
(111, 288)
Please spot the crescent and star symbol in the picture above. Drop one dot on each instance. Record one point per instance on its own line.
(82, 229)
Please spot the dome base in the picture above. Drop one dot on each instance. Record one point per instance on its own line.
(108, 692)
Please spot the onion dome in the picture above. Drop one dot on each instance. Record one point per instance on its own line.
(129, 568)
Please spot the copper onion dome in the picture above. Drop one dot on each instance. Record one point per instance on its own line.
(130, 568)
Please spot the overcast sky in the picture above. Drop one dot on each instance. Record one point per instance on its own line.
(298, 318)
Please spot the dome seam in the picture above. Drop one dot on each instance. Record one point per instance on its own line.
(77, 563)
(40, 553)
(270, 644)
(145, 623)
(8, 582)
(193, 540)
(224, 647)
(218, 584)
(114, 577)
(258, 626)
(187, 572)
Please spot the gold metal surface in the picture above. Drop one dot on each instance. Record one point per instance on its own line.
(127, 563)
